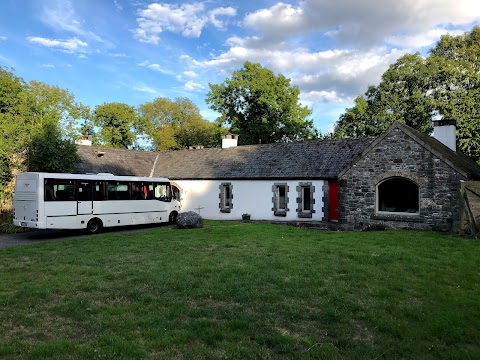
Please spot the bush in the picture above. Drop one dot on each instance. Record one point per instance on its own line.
(6, 222)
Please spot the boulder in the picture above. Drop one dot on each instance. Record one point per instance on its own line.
(189, 220)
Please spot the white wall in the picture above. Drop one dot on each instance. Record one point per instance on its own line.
(249, 196)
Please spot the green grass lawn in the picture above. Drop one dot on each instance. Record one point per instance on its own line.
(242, 290)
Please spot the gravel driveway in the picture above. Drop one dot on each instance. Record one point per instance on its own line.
(38, 236)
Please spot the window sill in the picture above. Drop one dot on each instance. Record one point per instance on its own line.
(225, 210)
(398, 217)
(280, 213)
(304, 215)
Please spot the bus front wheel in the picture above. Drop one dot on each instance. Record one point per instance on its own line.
(94, 226)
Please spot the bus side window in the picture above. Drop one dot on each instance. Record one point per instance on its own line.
(49, 196)
(137, 193)
(59, 189)
(61, 195)
(84, 190)
(163, 192)
(150, 192)
(99, 192)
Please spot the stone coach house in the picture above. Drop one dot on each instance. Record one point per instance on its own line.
(402, 179)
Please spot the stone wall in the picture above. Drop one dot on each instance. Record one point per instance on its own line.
(398, 155)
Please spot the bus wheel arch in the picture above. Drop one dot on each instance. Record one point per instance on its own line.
(172, 218)
(94, 226)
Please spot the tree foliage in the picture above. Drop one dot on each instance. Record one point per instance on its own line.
(416, 90)
(11, 126)
(49, 152)
(261, 107)
(455, 63)
(48, 111)
(118, 123)
(33, 119)
(403, 95)
(173, 125)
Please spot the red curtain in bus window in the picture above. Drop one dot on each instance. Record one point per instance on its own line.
(333, 201)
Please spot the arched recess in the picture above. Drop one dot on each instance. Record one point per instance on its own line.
(398, 195)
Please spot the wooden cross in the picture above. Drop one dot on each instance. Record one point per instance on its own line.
(199, 208)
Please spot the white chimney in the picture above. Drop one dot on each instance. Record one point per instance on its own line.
(445, 132)
(84, 140)
(229, 140)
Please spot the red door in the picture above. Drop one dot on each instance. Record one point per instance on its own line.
(333, 205)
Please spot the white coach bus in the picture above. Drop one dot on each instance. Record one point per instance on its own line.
(76, 201)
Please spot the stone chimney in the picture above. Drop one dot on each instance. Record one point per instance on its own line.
(229, 140)
(445, 132)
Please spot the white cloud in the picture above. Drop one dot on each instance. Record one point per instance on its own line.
(70, 46)
(155, 67)
(145, 89)
(190, 74)
(47, 66)
(361, 23)
(420, 40)
(118, 5)
(187, 19)
(121, 55)
(340, 72)
(62, 16)
(221, 11)
(322, 96)
(3, 38)
(362, 39)
(193, 86)
(279, 19)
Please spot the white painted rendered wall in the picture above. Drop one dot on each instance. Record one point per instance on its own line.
(249, 196)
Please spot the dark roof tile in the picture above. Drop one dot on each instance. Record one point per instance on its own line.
(98, 159)
(311, 159)
(279, 160)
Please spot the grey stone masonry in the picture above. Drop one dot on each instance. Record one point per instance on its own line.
(399, 155)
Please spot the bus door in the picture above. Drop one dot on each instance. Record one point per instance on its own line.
(84, 197)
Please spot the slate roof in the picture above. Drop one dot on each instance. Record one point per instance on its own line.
(302, 160)
(98, 159)
(455, 159)
(326, 159)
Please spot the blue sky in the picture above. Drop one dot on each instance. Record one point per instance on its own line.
(133, 51)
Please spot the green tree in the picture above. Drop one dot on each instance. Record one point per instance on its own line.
(50, 152)
(357, 121)
(119, 124)
(173, 125)
(403, 95)
(12, 131)
(42, 104)
(29, 112)
(49, 112)
(415, 90)
(261, 107)
(455, 61)
(10, 88)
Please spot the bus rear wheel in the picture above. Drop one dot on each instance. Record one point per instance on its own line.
(94, 226)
